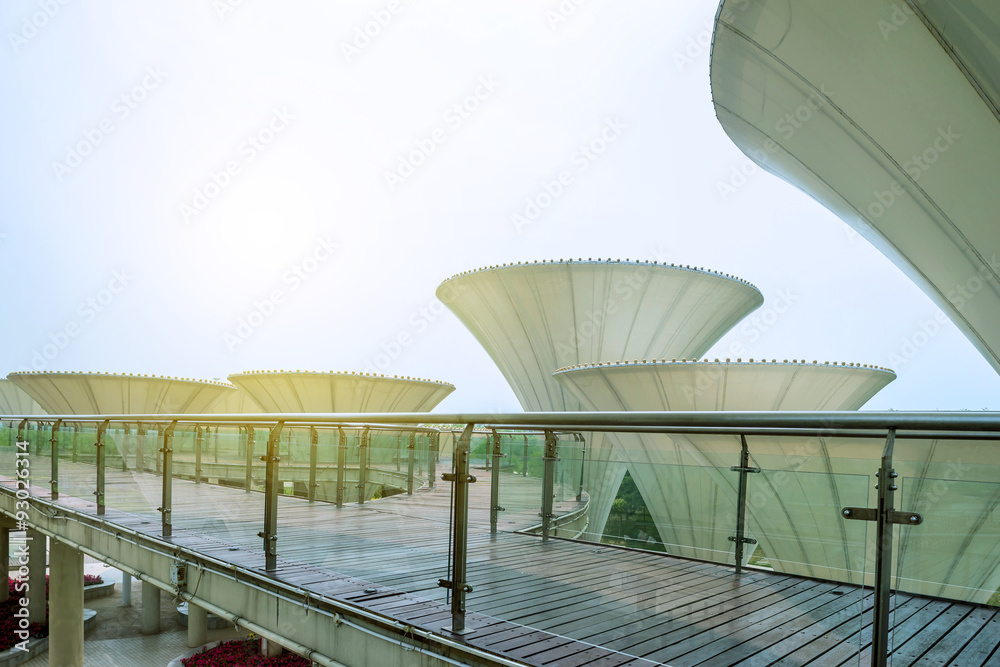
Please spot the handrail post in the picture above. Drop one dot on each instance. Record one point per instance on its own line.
(883, 553)
(124, 448)
(100, 466)
(76, 438)
(140, 447)
(249, 460)
(54, 482)
(548, 482)
(159, 462)
(495, 508)
(363, 466)
(741, 504)
(411, 460)
(341, 462)
(168, 476)
(313, 456)
(433, 447)
(215, 443)
(270, 533)
(583, 467)
(20, 433)
(524, 461)
(460, 533)
(199, 440)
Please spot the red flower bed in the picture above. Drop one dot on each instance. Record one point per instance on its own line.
(92, 580)
(243, 653)
(9, 622)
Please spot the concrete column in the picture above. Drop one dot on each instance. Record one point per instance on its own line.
(36, 576)
(66, 614)
(269, 649)
(150, 609)
(197, 626)
(126, 589)
(5, 555)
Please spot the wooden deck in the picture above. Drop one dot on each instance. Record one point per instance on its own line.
(546, 603)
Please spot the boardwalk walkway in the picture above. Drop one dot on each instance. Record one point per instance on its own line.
(547, 603)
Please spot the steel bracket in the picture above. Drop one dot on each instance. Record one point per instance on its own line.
(871, 514)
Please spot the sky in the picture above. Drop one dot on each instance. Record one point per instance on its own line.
(200, 188)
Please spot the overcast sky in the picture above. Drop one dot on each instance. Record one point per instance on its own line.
(204, 187)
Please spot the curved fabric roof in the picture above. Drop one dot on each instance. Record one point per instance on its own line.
(887, 113)
(534, 318)
(235, 401)
(15, 401)
(687, 482)
(110, 393)
(307, 391)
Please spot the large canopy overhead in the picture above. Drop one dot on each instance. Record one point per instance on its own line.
(689, 489)
(887, 113)
(308, 391)
(110, 393)
(534, 318)
(15, 401)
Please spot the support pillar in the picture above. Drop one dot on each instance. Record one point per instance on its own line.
(197, 625)
(126, 589)
(36, 576)
(269, 649)
(150, 609)
(5, 555)
(66, 619)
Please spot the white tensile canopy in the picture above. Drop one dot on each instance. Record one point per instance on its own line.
(15, 401)
(887, 113)
(308, 391)
(534, 318)
(795, 503)
(110, 393)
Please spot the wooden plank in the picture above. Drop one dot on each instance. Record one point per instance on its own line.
(983, 648)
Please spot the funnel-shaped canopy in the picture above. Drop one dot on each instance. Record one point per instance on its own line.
(15, 401)
(307, 391)
(109, 393)
(535, 318)
(686, 481)
(887, 113)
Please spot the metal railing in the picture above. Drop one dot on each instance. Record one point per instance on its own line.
(891, 427)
